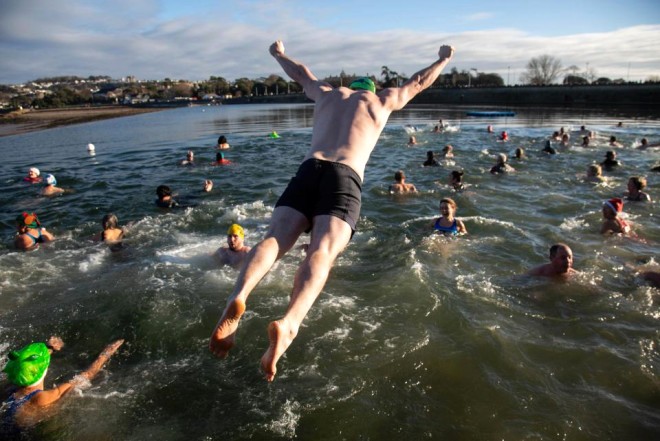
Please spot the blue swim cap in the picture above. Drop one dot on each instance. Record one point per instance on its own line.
(50, 180)
(363, 83)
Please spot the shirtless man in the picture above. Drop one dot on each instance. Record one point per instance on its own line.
(235, 252)
(561, 263)
(400, 185)
(347, 125)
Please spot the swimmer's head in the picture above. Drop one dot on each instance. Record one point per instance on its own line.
(501, 158)
(34, 171)
(222, 140)
(237, 230)
(28, 366)
(363, 83)
(50, 180)
(637, 182)
(611, 154)
(399, 176)
(594, 170)
(109, 221)
(162, 191)
(28, 220)
(614, 204)
(448, 148)
(190, 155)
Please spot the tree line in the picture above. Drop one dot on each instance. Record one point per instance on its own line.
(72, 90)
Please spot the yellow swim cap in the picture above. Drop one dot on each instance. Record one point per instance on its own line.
(235, 229)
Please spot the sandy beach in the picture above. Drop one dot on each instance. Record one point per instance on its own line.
(23, 121)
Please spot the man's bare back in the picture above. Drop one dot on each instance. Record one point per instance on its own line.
(347, 125)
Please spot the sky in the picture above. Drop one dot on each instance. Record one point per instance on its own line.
(193, 40)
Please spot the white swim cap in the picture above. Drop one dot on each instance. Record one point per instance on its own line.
(35, 170)
(90, 147)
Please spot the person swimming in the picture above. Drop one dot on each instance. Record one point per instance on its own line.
(26, 369)
(30, 233)
(50, 189)
(612, 223)
(447, 224)
(33, 175)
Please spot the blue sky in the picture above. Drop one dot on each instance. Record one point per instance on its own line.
(154, 39)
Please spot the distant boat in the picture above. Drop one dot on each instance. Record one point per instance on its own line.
(490, 113)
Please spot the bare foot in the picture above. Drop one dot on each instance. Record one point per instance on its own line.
(224, 334)
(280, 334)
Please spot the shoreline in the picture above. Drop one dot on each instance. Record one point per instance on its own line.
(26, 121)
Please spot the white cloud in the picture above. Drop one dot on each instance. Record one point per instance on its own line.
(84, 38)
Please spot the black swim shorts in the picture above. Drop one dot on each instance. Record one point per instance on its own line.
(324, 187)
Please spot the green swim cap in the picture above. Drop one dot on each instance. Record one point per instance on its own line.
(28, 365)
(363, 83)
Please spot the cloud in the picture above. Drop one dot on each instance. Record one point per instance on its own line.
(84, 38)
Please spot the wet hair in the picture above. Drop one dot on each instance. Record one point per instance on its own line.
(612, 138)
(520, 152)
(448, 148)
(639, 182)
(501, 158)
(556, 247)
(109, 221)
(644, 141)
(222, 139)
(429, 154)
(457, 176)
(162, 191)
(399, 176)
(610, 154)
(595, 169)
(449, 201)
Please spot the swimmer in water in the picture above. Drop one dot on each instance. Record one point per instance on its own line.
(165, 199)
(430, 160)
(610, 162)
(190, 159)
(612, 223)
(635, 186)
(448, 151)
(400, 185)
(594, 173)
(548, 148)
(26, 369)
(614, 142)
(504, 136)
(50, 188)
(456, 180)
(220, 159)
(501, 166)
(520, 153)
(412, 141)
(236, 251)
(33, 176)
(112, 234)
(561, 263)
(447, 224)
(222, 143)
(30, 233)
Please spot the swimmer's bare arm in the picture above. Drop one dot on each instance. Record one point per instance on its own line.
(396, 98)
(52, 395)
(461, 226)
(299, 72)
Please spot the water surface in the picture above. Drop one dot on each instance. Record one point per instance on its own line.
(414, 334)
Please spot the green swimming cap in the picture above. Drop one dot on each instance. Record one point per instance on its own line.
(26, 366)
(363, 83)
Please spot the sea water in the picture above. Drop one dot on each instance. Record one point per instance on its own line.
(414, 334)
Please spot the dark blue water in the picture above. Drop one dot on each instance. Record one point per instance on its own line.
(414, 335)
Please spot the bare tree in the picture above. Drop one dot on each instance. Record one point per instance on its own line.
(542, 70)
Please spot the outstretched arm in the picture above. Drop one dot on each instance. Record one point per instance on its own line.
(52, 395)
(397, 97)
(298, 72)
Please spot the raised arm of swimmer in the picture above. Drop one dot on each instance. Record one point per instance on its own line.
(298, 72)
(398, 97)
